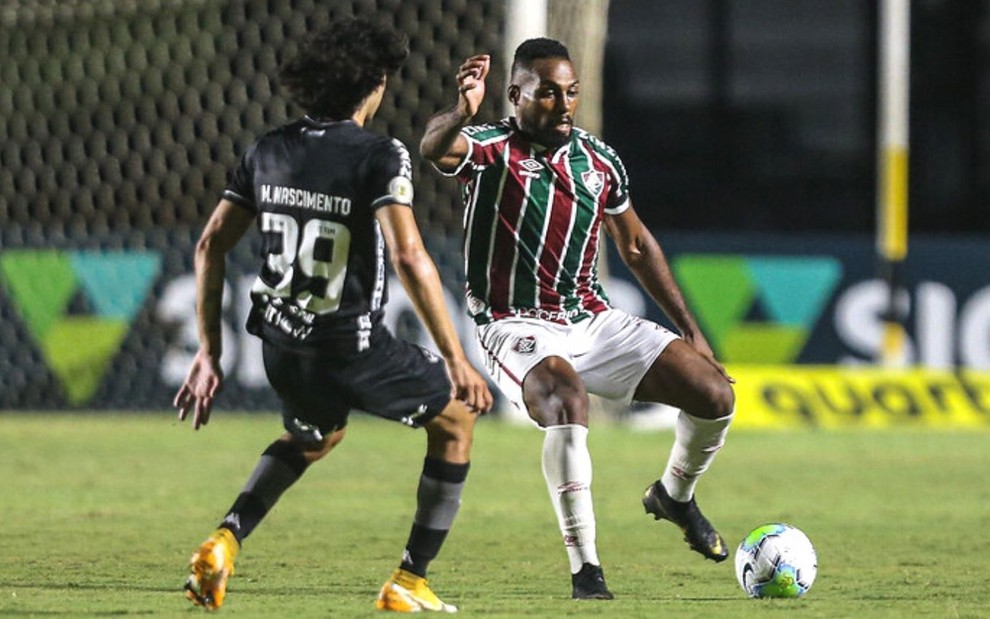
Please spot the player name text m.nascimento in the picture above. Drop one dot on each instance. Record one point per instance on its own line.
(301, 198)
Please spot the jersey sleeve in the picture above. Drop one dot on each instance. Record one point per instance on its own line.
(485, 144)
(390, 175)
(481, 153)
(240, 188)
(617, 200)
(467, 165)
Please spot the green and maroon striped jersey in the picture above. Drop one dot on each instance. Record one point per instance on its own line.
(532, 222)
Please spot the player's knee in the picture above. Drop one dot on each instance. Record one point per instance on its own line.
(559, 405)
(721, 398)
(451, 434)
(554, 394)
(454, 425)
(461, 434)
(316, 450)
(575, 405)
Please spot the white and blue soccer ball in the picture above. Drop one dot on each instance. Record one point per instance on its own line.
(776, 561)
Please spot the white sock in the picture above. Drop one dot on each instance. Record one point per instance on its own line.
(567, 470)
(696, 441)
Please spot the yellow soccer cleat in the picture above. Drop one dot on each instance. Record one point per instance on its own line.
(406, 592)
(211, 565)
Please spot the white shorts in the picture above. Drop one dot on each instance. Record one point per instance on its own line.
(611, 352)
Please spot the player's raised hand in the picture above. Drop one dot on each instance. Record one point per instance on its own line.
(468, 386)
(203, 382)
(471, 83)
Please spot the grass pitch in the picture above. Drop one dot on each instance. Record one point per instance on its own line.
(100, 513)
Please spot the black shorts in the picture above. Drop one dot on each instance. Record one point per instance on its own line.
(393, 379)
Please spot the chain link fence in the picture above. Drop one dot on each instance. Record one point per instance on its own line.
(119, 122)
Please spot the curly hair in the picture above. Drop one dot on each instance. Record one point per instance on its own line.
(337, 67)
(537, 49)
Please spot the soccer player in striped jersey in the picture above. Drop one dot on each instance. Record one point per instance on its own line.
(333, 201)
(538, 193)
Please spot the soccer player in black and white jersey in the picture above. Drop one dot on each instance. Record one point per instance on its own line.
(332, 201)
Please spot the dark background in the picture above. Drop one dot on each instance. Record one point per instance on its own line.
(120, 115)
(761, 114)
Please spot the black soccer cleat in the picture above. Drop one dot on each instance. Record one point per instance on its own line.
(589, 584)
(698, 532)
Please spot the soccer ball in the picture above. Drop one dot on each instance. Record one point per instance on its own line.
(776, 561)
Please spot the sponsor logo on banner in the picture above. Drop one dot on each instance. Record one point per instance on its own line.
(78, 307)
(756, 309)
(867, 397)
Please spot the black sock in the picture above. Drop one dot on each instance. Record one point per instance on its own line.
(280, 466)
(438, 500)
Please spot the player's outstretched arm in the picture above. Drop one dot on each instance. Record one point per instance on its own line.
(224, 229)
(641, 252)
(442, 142)
(418, 274)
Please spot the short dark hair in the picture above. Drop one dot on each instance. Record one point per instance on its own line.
(537, 49)
(337, 67)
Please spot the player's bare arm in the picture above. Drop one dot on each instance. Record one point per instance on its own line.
(642, 253)
(418, 274)
(225, 228)
(442, 142)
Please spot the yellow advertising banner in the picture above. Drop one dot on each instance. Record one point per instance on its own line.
(861, 397)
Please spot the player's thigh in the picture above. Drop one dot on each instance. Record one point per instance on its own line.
(683, 378)
(315, 402)
(621, 349)
(313, 450)
(399, 381)
(555, 394)
(513, 347)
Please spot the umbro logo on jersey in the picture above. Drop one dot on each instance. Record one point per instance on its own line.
(530, 168)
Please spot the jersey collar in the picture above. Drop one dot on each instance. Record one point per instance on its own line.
(550, 153)
(323, 122)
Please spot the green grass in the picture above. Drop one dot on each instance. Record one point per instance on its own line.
(100, 513)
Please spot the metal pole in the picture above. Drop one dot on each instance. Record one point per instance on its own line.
(892, 189)
(524, 19)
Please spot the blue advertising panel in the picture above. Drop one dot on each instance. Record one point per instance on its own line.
(108, 322)
(777, 299)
